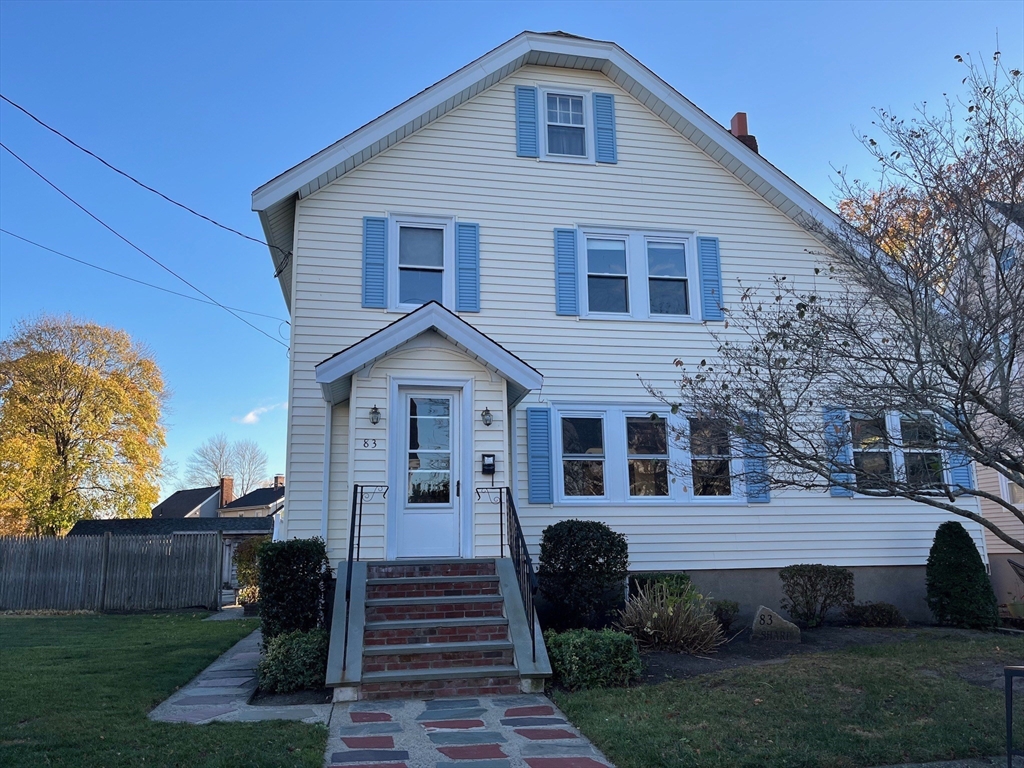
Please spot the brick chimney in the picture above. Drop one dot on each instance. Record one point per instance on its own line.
(279, 481)
(227, 490)
(739, 130)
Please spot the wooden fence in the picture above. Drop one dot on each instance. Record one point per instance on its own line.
(110, 573)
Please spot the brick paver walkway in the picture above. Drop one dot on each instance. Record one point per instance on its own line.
(524, 731)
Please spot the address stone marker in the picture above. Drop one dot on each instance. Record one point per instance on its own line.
(770, 627)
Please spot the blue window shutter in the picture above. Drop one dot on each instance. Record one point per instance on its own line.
(527, 139)
(959, 464)
(838, 445)
(755, 461)
(538, 455)
(604, 128)
(566, 286)
(467, 267)
(375, 262)
(710, 278)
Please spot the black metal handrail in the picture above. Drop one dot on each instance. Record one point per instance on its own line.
(360, 494)
(521, 561)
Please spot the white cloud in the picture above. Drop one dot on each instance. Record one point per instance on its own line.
(253, 416)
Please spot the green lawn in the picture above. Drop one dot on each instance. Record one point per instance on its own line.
(75, 691)
(872, 705)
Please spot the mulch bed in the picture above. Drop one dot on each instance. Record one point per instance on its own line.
(263, 699)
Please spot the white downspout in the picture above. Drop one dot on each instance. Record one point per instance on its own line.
(326, 493)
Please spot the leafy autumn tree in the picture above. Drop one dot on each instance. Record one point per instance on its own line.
(218, 457)
(913, 322)
(80, 432)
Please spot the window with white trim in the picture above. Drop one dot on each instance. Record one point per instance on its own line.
(872, 454)
(922, 457)
(893, 447)
(647, 455)
(583, 455)
(710, 458)
(421, 261)
(636, 274)
(565, 124)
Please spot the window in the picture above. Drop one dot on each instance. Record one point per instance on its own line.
(710, 458)
(647, 456)
(922, 459)
(871, 451)
(1014, 494)
(566, 125)
(667, 284)
(430, 449)
(607, 280)
(583, 456)
(421, 265)
(638, 274)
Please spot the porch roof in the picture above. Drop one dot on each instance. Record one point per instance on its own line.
(334, 375)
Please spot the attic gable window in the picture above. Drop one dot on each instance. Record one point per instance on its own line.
(566, 127)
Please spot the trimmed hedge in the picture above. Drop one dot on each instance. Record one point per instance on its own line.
(875, 615)
(813, 590)
(294, 661)
(293, 579)
(583, 568)
(587, 658)
(959, 590)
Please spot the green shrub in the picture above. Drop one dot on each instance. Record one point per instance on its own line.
(246, 563)
(676, 582)
(875, 615)
(725, 611)
(659, 618)
(583, 567)
(294, 661)
(813, 590)
(959, 590)
(587, 658)
(248, 595)
(293, 579)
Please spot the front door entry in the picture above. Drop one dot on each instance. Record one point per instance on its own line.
(429, 502)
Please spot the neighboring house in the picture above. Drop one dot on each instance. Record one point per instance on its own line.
(482, 280)
(196, 502)
(233, 531)
(261, 502)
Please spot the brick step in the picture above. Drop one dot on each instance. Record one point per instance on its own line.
(417, 631)
(418, 568)
(420, 661)
(431, 586)
(483, 645)
(501, 680)
(457, 607)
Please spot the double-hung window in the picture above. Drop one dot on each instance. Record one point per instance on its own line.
(422, 261)
(872, 455)
(892, 447)
(565, 123)
(583, 456)
(710, 457)
(922, 458)
(647, 455)
(637, 274)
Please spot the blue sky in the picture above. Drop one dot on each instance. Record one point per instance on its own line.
(206, 101)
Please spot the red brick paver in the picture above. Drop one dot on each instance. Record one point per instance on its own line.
(369, 742)
(472, 752)
(545, 734)
(370, 717)
(529, 711)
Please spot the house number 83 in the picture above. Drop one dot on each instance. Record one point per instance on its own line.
(369, 443)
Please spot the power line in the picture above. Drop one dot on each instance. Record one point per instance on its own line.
(134, 279)
(155, 260)
(145, 186)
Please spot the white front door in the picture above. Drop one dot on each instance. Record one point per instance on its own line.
(429, 490)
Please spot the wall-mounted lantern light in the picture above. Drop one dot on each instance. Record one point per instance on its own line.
(374, 415)
(486, 417)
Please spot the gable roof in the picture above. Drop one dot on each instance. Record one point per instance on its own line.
(334, 375)
(275, 200)
(180, 503)
(167, 525)
(261, 497)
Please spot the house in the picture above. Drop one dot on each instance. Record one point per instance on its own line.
(481, 281)
(196, 502)
(259, 502)
(233, 532)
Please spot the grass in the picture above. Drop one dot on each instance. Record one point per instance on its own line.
(867, 706)
(75, 691)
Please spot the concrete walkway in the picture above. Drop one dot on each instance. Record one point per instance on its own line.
(221, 692)
(525, 731)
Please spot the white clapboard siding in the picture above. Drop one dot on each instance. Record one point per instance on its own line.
(465, 165)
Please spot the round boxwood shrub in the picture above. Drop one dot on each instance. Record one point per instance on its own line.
(959, 590)
(813, 590)
(875, 615)
(583, 567)
(294, 661)
(586, 658)
(293, 580)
